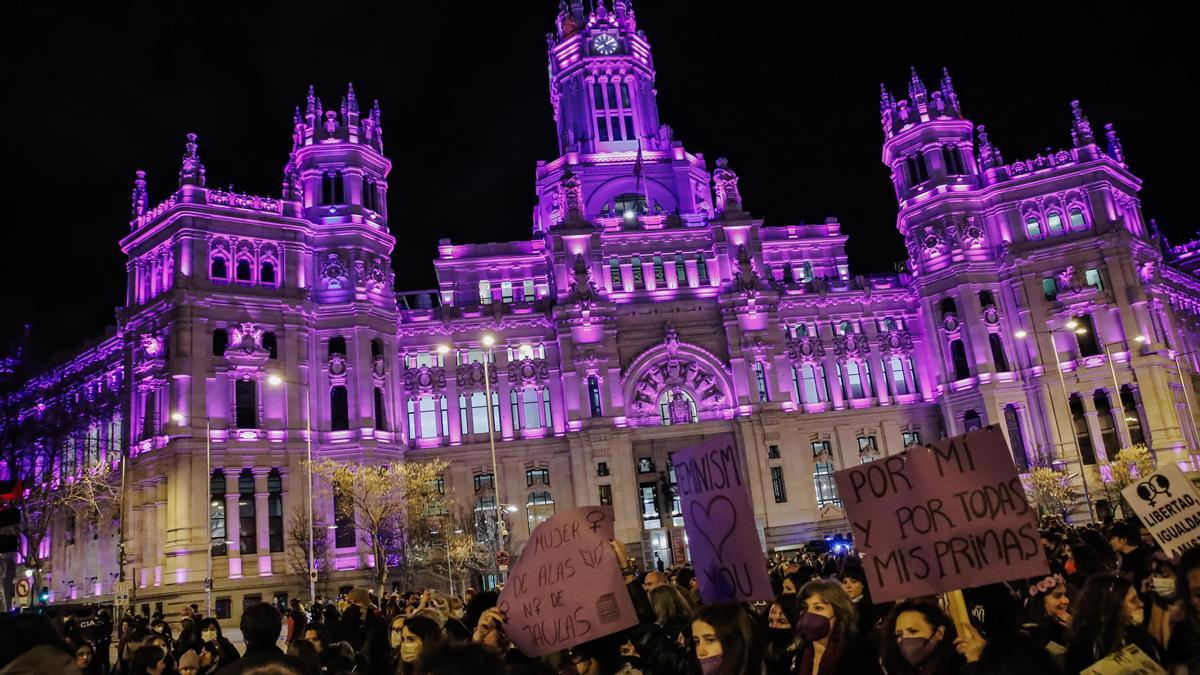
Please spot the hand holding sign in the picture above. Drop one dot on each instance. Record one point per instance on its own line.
(567, 586)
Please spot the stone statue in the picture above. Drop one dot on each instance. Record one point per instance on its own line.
(681, 412)
(728, 197)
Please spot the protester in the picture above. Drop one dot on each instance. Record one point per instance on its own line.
(827, 628)
(854, 582)
(210, 634)
(727, 640)
(189, 663)
(148, 660)
(918, 639)
(261, 625)
(1108, 617)
(86, 661)
(1183, 650)
(307, 653)
(1047, 616)
(1133, 555)
(296, 621)
(418, 635)
(460, 659)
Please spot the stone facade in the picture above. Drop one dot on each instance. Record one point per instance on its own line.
(648, 309)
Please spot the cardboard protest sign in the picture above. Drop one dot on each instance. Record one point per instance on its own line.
(1166, 502)
(947, 516)
(1129, 660)
(567, 587)
(719, 520)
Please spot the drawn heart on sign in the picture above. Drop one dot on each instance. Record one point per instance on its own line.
(711, 513)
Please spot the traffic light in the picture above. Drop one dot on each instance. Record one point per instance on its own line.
(44, 595)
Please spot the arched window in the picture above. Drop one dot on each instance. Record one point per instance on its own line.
(275, 510)
(219, 269)
(539, 507)
(998, 357)
(216, 513)
(953, 160)
(1077, 220)
(266, 273)
(948, 307)
(971, 421)
(339, 409)
(1016, 440)
(1033, 228)
(594, 396)
(958, 355)
(671, 407)
(630, 205)
(1083, 437)
(243, 271)
(247, 513)
(1054, 224)
(337, 345)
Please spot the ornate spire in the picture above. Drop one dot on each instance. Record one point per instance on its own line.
(311, 110)
(1081, 128)
(885, 99)
(915, 86)
(297, 130)
(989, 156)
(377, 119)
(140, 201)
(351, 99)
(948, 93)
(191, 169)
(1114, 144)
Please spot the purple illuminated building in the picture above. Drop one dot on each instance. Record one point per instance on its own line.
(647, 309)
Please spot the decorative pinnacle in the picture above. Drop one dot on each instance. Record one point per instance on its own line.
(1114, 144)
(1081, 127)
(312, 102)
(915, 85)
(947, 87)
(140, 201)
(885, 99)
(351, 99)
(191, 169)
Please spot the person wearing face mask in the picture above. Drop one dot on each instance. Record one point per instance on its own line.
(918, 639)
(781, 630)
(210, 634)
(1108, 617)
(727, 640)
(1183, 650)
(1047, 615)
(854, 582)
(827, 633)
(1163, 607)
(417, 635)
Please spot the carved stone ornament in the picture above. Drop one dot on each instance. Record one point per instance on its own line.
(745, 279)
(337, 364)
(681, 410)
(805, 348)
(377, 277)
(471, 374)
(246, 338)
(895, 341)
(950, 322)
(571, 196)
(424, 379)
(378, 366)
(528, 371)
(851, 345)
(152, 346)
(583, 290)
(333, 272)
(991, 315)
(725, 183)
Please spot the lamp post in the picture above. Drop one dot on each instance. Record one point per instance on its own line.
(208, 576)
(275, 381)
(489, 341)
(1140, 339)
(1073, 326)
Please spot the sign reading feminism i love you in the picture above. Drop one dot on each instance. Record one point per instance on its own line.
(719, 520)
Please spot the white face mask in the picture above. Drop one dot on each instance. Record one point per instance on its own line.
(1137, 617)
(409, 651)
(208, 635)
(1164, 587)
(395, 639)
(457, 613)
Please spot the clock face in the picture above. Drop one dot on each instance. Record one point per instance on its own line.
(604, 44)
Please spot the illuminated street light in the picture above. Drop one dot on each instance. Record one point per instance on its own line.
(178, 418)
(1020, 335)
(274, 380)
(488, 340)
(1072, 324)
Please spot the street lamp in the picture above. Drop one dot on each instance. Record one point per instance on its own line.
(488, 340)
(179, 419)
(275, 380)
(1074, 327)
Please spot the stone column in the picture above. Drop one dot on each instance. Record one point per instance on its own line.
(1093, 424)
(879, 376)
(233, 527)
(261, 511)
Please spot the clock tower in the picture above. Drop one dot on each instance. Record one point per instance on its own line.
(601, 79)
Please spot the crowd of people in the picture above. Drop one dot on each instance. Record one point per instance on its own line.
(1107, 588)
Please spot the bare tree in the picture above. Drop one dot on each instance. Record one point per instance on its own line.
(297, 551)
(383, 501)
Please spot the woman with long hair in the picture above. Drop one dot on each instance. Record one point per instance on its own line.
(727, 640)
(854, 582)
(418, 635)
(827, 630)
(1108, 617)
(918, 639)
(1047, 614)
(210, 634)
(672, 606)
(85, 659)
(778, 653)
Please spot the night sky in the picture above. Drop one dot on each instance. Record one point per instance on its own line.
(788, 91)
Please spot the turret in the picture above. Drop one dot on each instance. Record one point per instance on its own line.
(337, 165)
(928, 144)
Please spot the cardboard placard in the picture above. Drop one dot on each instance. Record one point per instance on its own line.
(948, 516)
(1128, 661)
(1168, 506)
(567, 587)
(719, 519)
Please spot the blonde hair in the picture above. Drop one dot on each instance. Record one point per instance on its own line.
(671, 602)
(833, 594)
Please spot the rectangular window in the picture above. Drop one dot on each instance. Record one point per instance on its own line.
(702, 270)
(343, 520)
(506, 292)
(339, 408)
(806, 271)
(1092, 278)
(1050, 288)
(680, 271)
(602, 128)
(223, 607)
(645, 465)
(638, 281)
(247, 513)
(854, 383)
(615, 123)
(594, 396)
(484, 481)
(812, 394)
(275, 510)
(629, 126)
(606, 495)
(485, 292)
(614, 271)
(601, 468)
(760, 379)
(649, 499)
(246, 397)
(538, 476)
(660, 272)
(380, 411)
(777, 485)
(772, 452)
(910, 438)
(826, 489)
(528, 290)
(899, 383)
(216, 513)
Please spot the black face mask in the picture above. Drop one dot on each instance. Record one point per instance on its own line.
(780, 637)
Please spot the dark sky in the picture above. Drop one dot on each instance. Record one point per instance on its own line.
(788, 91)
